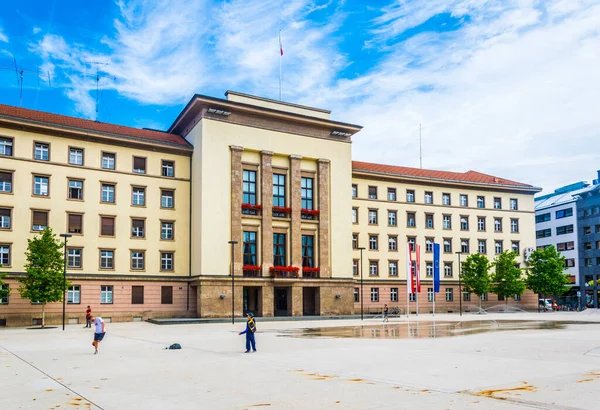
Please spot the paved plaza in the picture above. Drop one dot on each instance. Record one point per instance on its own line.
(392, 366)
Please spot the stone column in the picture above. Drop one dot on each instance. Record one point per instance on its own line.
(236, 206)
(266, 181)
(268, 301)
(324, 245)
(296, 205)
(295, 295)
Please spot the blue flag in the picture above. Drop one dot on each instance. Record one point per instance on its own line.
(436, 267)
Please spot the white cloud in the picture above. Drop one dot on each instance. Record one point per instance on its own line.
(3, 37)
(36, 30)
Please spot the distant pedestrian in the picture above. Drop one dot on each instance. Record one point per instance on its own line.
(249, 332)
(88, 317)
(99, 332)
(385, 313)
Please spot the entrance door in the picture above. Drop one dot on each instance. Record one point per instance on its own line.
(252, 300)
(281, 302)
(310, 301)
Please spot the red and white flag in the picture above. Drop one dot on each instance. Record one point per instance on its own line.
(409, 276)
(280, 45)
(418, 270)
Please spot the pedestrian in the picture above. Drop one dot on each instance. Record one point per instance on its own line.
(88, 317)
(385, 313)
(249, 332)
(99, 332)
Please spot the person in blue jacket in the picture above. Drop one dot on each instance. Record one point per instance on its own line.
(249, 332)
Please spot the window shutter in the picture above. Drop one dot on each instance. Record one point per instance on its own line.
(108, 226)
(75, 222)
(4, 212)
(137, 295)
(166, 295)
(139, 163)
(5, 177)
(138, 223)
(40, 218)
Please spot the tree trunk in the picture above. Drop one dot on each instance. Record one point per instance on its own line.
(43, 315)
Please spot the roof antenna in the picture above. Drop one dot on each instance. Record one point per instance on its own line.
(420, 149)
(98, 77)
(20, 73)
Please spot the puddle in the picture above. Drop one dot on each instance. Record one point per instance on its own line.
(424, 329)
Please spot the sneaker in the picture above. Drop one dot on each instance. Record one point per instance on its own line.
(254, 351)
(96, 352)
(247, 351)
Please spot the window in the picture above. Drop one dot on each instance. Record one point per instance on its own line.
(391, 194)
(564, 213)
(355, 241)
(587, 230)
(393, 294)
(6, 147)
(167, 198)
(497, 203)
(393, 243)
(138, 228)
(428, 197)
(500, 298)
(167, 230)
(447, 221)
(562, 230)
(373, 268)
(393, 268)
(75, 223)
(464, 245)
(464, 200)
(480, 202)
(429, 269)
(514, 225)
(466, 296)
(372, 217)
(250, 248)
(5, 214)
(484, 297)
(514, 246)
(514, 204)
(446, 199)
(448, 269)
(168, 168)
(569, 263)
(543, 233)
(107, 226)
(5, 255)
(5, 180)
(74, 294)
(412, 297)
(429, 245)
(74, 258)
(565, 246)
(75, 156)
(166, 295)
(41, 185)
(497, 224)
(588, 262)
(481, 223)
(166, 261)
(372, 192)
(410, 195)
(308, 251)
(138, 196)
(4, 300)
(499, 247)
(249, 187)
(279, 249)
(429, 294)
(597, 228)
(41, 151)
(410, 219)
(137, 295)
(306, 192)
(354, 191)
(107, 259)
(139, 165)
(137, 260)
(108, 160)
(517, 297)
(373, 242)
(542, 218)
(374, 294)
(356, 295)
(411, 240)
(447, 245)
(481, 245)
(39, 220)
(75, 189)
(106, 294)
(464, 223)
(354, 215)
(108, 193)
(279, 190)
(355, 263)
(587, 212)
(449, 295)
(392, 218)
(429, 221)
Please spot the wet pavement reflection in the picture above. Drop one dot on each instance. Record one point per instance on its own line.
(423, 329)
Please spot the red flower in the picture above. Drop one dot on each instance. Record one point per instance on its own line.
(306, 269)
(313, 212)
(282, 209)
(252, 267)
(251, 206)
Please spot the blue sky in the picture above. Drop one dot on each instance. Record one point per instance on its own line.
(506, 87)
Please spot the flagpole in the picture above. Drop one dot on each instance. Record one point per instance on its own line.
(418, 275)
(280, 60)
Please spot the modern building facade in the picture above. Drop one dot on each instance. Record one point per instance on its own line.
(588, 232)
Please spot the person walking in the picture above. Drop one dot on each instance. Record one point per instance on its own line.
(99, 332)
(88, 317)
(385, 313)
(249, 332)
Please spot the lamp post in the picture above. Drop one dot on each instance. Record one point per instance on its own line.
(459, 283)
(361, 283)
(66, 236)
(232, 243)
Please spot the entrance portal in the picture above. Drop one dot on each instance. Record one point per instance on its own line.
(253, 300)
(310, 301)
(281, 302)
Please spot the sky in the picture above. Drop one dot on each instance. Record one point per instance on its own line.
(504, 87)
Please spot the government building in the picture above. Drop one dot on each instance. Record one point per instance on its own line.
(261, 189)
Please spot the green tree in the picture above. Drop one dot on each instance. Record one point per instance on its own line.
(4, 290)
(546, 272)
(475, 275)
(507, 280)
(43, 282)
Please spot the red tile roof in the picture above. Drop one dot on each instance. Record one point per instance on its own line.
(468, 177)
(89, 125)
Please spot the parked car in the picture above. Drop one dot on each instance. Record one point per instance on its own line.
(545, 304)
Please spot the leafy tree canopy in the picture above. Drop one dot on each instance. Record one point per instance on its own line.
(475, 275)
(546, 272)
(507, 278)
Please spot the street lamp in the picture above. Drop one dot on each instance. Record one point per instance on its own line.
(459, 283)
(361, 283)
(66, 236)
(232, 243)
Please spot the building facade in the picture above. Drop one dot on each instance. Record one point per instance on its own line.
(588, 232)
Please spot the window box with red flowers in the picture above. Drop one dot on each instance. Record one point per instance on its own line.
(310, 214)
(308, 272)
(252, 270)
(284, 271)
(281, 211)
(251, 209)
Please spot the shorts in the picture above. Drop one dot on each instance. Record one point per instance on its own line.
(99, 336)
